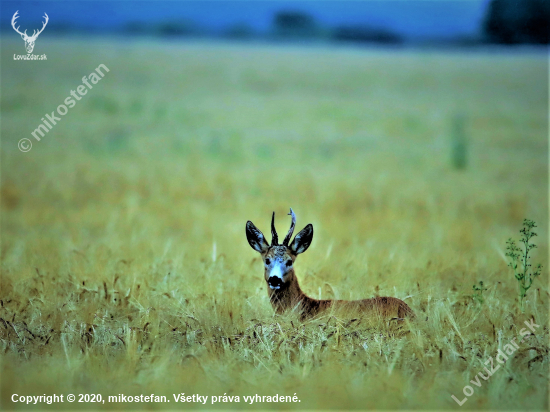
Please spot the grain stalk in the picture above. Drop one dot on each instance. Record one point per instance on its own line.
(459, 143)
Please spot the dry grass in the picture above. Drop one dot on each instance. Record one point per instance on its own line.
(125, 267)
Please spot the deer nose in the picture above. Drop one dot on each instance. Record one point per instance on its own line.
(275, 282)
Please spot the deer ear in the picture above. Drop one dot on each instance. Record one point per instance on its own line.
(302, 240)
(256, 238)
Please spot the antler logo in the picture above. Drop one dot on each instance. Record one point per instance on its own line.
(29, 40)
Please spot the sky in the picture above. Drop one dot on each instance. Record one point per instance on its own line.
(412, 18)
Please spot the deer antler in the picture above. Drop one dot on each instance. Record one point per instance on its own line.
(291, 230)
(15, 17)
(274, 237)
(34, 36)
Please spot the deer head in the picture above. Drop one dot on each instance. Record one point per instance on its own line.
(29, 40)
(279, 259)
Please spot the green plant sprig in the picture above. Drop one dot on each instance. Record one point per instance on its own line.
(478, 292)
(519, 259)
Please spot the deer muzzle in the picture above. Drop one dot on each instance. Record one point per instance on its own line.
(275, 282)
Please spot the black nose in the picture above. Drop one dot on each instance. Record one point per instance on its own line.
(275, 281)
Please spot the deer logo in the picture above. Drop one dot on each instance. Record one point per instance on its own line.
(283, 288)
(29, 40)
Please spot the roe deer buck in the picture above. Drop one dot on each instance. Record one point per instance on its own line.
(284, 290)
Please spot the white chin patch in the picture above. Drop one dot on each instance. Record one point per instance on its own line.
(274, 287)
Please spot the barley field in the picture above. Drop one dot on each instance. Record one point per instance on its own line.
(125, 266)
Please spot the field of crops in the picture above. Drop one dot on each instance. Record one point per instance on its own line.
(125, 266)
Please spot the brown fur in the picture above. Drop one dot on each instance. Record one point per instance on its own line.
(291, 297)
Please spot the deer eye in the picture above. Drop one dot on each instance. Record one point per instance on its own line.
(267, 261)
(289, 262)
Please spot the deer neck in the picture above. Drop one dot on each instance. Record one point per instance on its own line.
(288, 297)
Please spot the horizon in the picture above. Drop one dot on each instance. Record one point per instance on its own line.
(411, 19)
